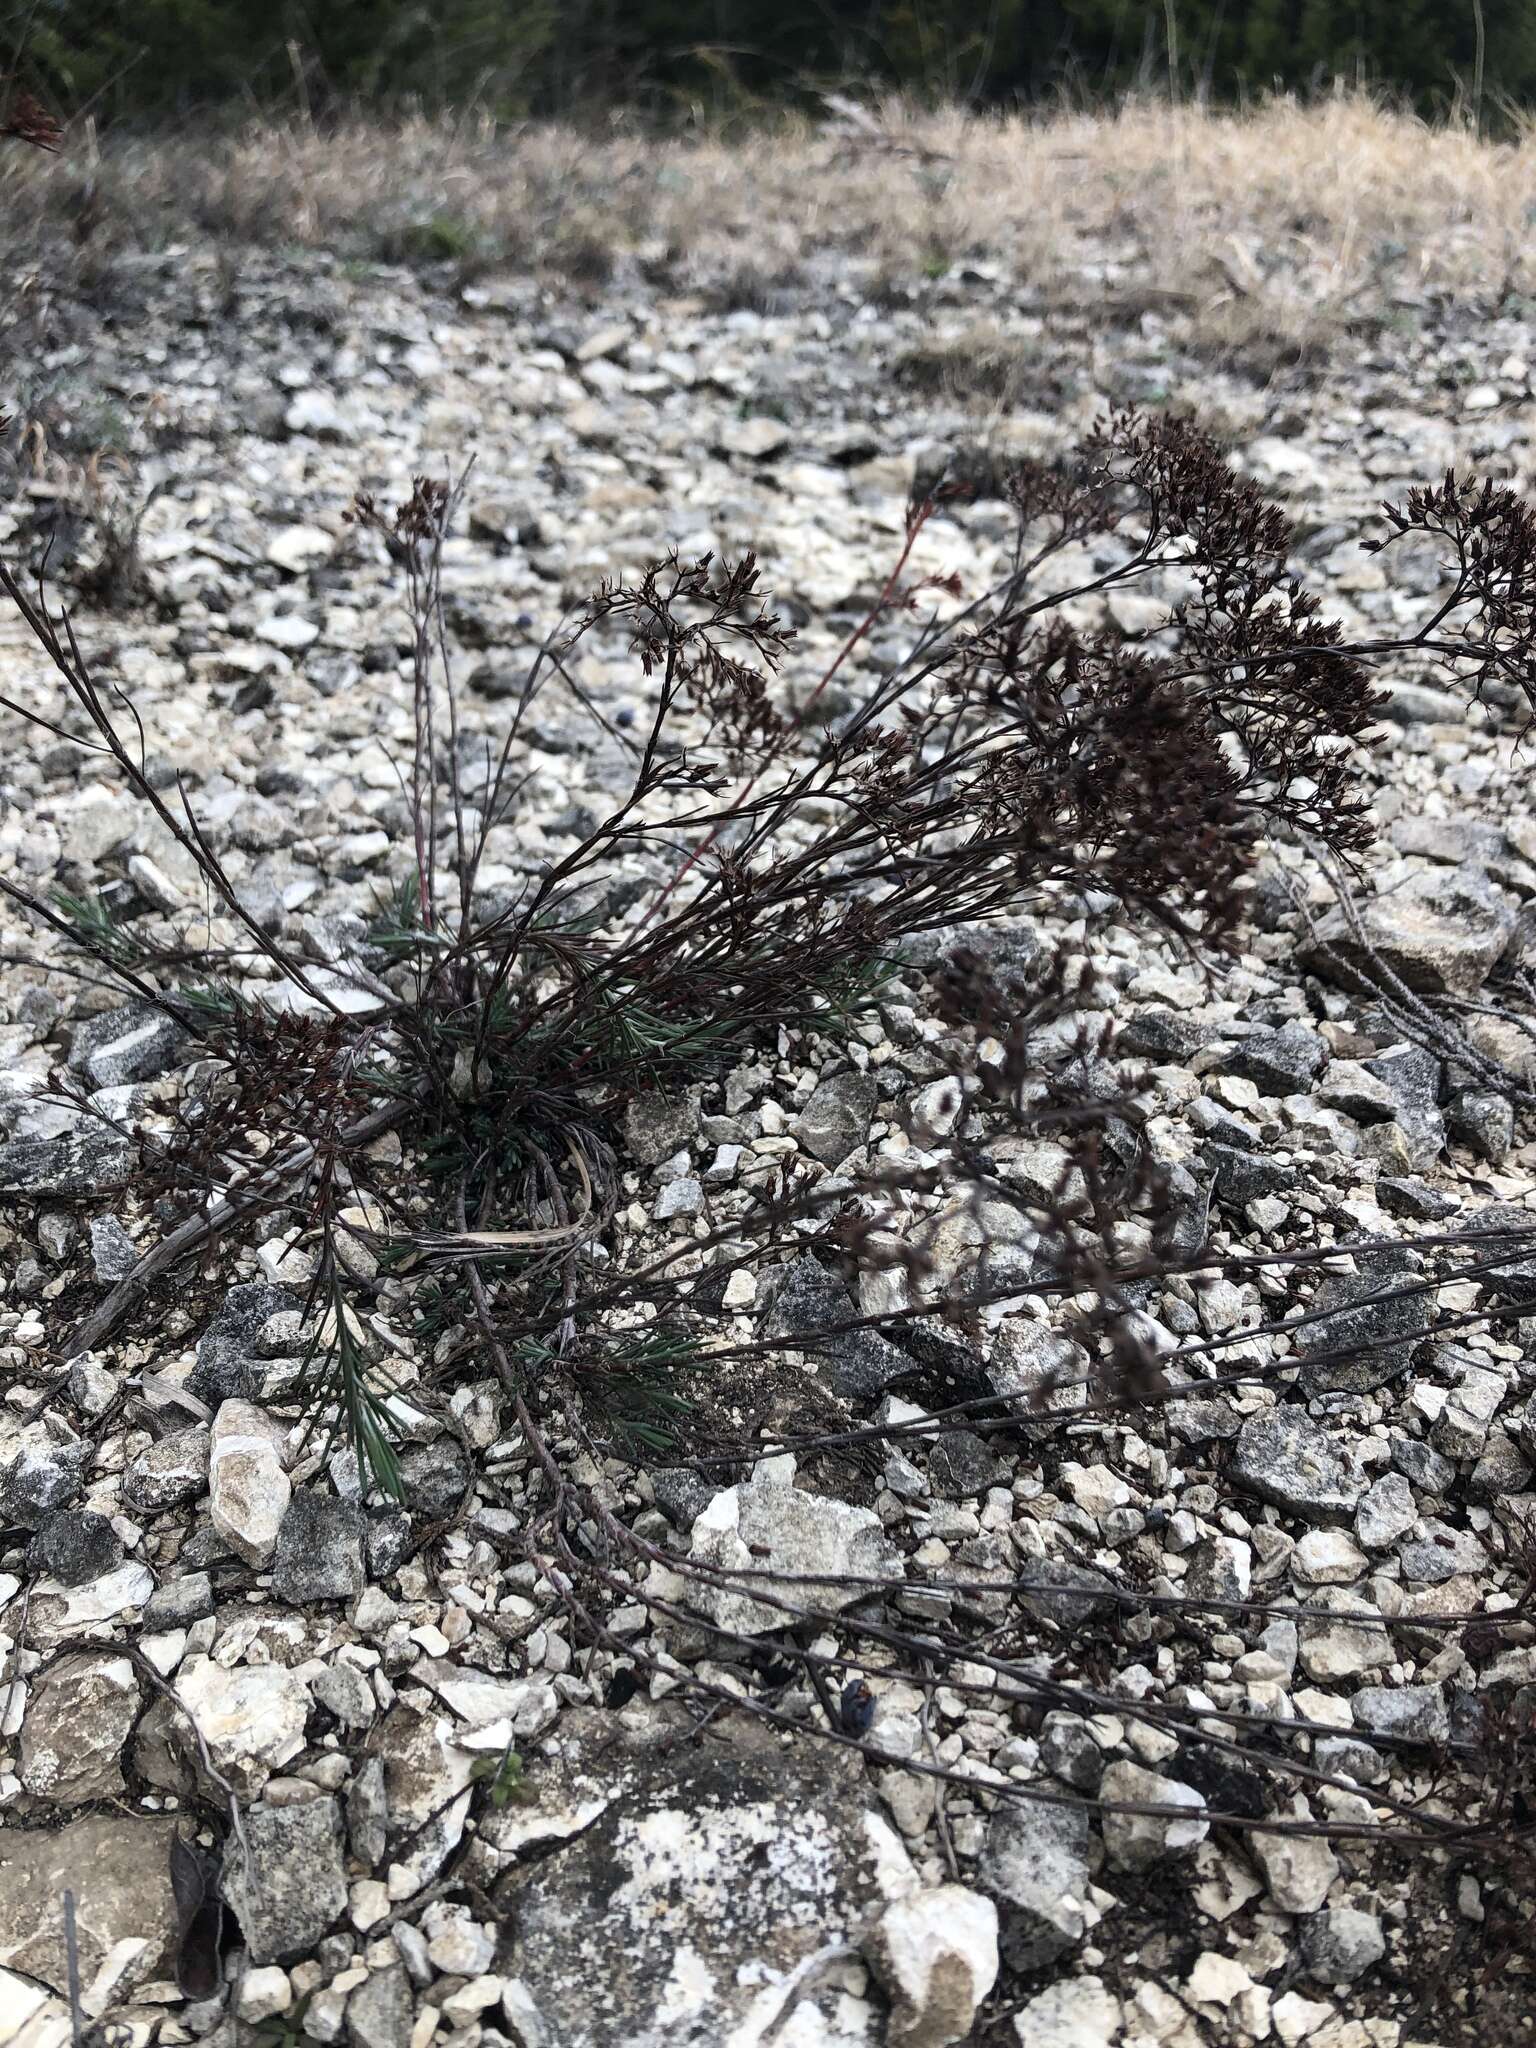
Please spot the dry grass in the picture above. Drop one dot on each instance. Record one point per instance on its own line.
(1284, 226)
(978, 363)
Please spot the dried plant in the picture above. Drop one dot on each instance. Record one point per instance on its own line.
(790, 843)
(23, 118)
(1011, 755)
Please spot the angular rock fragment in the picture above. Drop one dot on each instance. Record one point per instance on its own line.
(1367, 1324)
(41, 1477)
(381, 2012)
(78, 1162)
(1415, 1080)
(173, 1470)
(1440, 934)
(113, 1252)
(248, 1488)
(1284, 1457)
(1297, 1868)
(118, 1866)
(1135, 1841)
(295, 1883)
(76, 1729)
(435, 1476)
(319, 1551)
(1508, 1260)
(826, 1551)
(251, 1719)
(835, 1121)
(1035, 1863)
(1077, 2012)
(656, 1126)
(229, 1357)
(1405, 1713)
(1341, 1944)
(1067, 1594)
(935, 1952)
(74, 1546)
(1283, 1062)
(807, 1300)
(180, 1602)
(135, 1043)
(428, 1781)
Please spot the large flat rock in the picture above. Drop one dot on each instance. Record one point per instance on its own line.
(118, 1867)
(636, 1935)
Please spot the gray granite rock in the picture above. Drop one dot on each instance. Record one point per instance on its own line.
(1035, 1861)
(1484, 1121)
(1386, 1512)
(1509, 1259)
(75, 1731)
(1284, 1457)
(962, 1464)
(825, 1549)
(1282, 1062)
(380, 2013)
(74, 1546)
(113, 1252)
(1340, 1944)
(319, 1552)
(41, 1477)
(229, 1358)
(835, 1121)
(1069, 1752)
(1134, 1842)
(657, 1126)
(343, 1691)
(135, 1043)
(78, 1162)
(178, 1602)
(1368, 1323)
(295, 1885)
(1415, 1079)
(1407, 1713)
(1066, 1594)
(806, 1299)
(172, 1470)
(1439, 933)
(367, 1810)
(435, 1476)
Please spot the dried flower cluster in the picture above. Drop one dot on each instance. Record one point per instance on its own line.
(23, 118)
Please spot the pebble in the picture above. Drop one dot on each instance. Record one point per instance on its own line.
(264, 1992)
(1341, 1944)
(1136, 1841)
(1298, 1869)
(248, 1488)
(1078, 2012)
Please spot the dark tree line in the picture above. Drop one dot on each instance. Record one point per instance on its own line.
(151, 56)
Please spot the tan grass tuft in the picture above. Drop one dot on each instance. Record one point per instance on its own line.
(1279, 228)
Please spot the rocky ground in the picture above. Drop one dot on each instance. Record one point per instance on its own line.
(198, 1629)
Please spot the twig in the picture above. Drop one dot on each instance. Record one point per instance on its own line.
(72, 1970)
(259, 1192)
(215, 1776)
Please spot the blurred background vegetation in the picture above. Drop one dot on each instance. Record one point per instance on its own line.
(708, 59)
